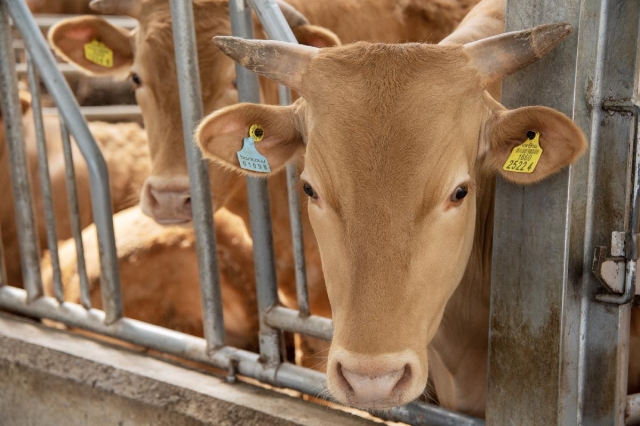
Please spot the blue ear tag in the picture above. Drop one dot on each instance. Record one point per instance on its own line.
(249, 157)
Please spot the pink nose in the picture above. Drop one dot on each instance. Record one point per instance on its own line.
(167, 200)
(374, 381)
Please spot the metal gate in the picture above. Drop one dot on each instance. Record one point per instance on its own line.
(584, 337)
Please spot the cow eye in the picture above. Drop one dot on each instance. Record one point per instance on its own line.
(459, 194)
(308, 189)
(136, 79)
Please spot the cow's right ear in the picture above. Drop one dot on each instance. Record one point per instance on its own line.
(313, 35)
(221, 135)
(70, 37)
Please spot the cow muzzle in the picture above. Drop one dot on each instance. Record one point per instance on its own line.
(374, 382)
(167, 200)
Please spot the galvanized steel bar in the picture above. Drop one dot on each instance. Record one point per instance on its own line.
(98, 173)
(74, 214)
(195, 349)
(45, 179)
(290, 320)
(632, 412)
(263, 253)
(277, 28)
(192, 112)
(20, 184)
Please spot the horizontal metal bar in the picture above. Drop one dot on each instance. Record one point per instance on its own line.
(290, 320)
(194, 348)
(111, 114)
(632, 412)
(65, 69)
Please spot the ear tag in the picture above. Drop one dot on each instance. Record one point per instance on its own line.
(99, 54)
(524, 157)
(249, 157)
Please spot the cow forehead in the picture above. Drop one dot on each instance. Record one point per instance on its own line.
(384, 121)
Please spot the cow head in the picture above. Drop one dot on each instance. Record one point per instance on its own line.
(395, 139)
(147, 56)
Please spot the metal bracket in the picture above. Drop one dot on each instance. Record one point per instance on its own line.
(233, 369)
(618, 273)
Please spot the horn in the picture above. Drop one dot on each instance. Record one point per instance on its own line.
(292, 15)
(277, 60)
(499, 56)
(130, 8)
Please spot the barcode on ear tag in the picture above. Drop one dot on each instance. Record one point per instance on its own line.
(250, 159)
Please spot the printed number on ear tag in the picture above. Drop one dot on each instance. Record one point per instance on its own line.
(250, 159)
(98, 53)
(524, 157)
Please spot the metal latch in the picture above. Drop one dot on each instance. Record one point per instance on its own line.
(611, 270)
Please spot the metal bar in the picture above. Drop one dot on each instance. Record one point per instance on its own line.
(65, 69)
(290, 320)
(112, 113)
(632, 413)
(195, 349)
(3, 269)
(277, 28)
(74, 215)
(45, 179)
(266, 284)
(192, 112)
(98, 173)
(20, 184)
(46, 21)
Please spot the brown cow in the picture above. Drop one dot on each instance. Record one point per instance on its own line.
(389, 161)
(125, 150)
(166, 194)
(59, 6)
(159, 274)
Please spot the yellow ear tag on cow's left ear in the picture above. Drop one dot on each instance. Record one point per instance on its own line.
(524, 157)
(249, 157)
(98, 53)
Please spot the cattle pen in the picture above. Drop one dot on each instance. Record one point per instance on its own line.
(564, 251)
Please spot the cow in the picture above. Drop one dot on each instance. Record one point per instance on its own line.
(125, 150)
(59, 6)
(401, 144)
(159, 274)
(166, 195)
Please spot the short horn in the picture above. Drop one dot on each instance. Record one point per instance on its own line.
(130, 8)
(499, 56)
(277, 60)
(292, 15)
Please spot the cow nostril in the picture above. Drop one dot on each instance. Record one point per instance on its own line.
(345, 382)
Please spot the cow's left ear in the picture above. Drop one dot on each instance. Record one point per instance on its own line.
(313, 35)
(561, 140)
(221, 135)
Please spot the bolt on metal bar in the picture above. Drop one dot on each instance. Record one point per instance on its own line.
(277, 28)
(74, 214)
(37, 46)
(45, 178)
(20, 184)
(195, 349)
(263, 253)
(192, 112)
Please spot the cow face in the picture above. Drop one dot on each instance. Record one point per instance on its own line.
(395, 140)
(147, 56)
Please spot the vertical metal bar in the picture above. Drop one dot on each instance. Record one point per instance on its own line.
(12, 117)
(45, 179)
(249, 91)
(192, 112)
(3, 270)
(98, 174)
(277, 28)
(546, 326)
(74, 214)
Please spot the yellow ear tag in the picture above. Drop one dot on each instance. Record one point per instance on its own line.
(524, 157)
(98, 53)
(256, 132)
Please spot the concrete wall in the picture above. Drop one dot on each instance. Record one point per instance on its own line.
(51, 377)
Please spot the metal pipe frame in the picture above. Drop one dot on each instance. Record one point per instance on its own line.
(45, 179)
(192, 112)
(259, 207)
(37, 46)
(20, 183)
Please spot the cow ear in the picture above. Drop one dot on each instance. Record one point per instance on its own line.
(25, 101)
(313, 35)
(221, 135)
(562, 142)
(110, 52)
